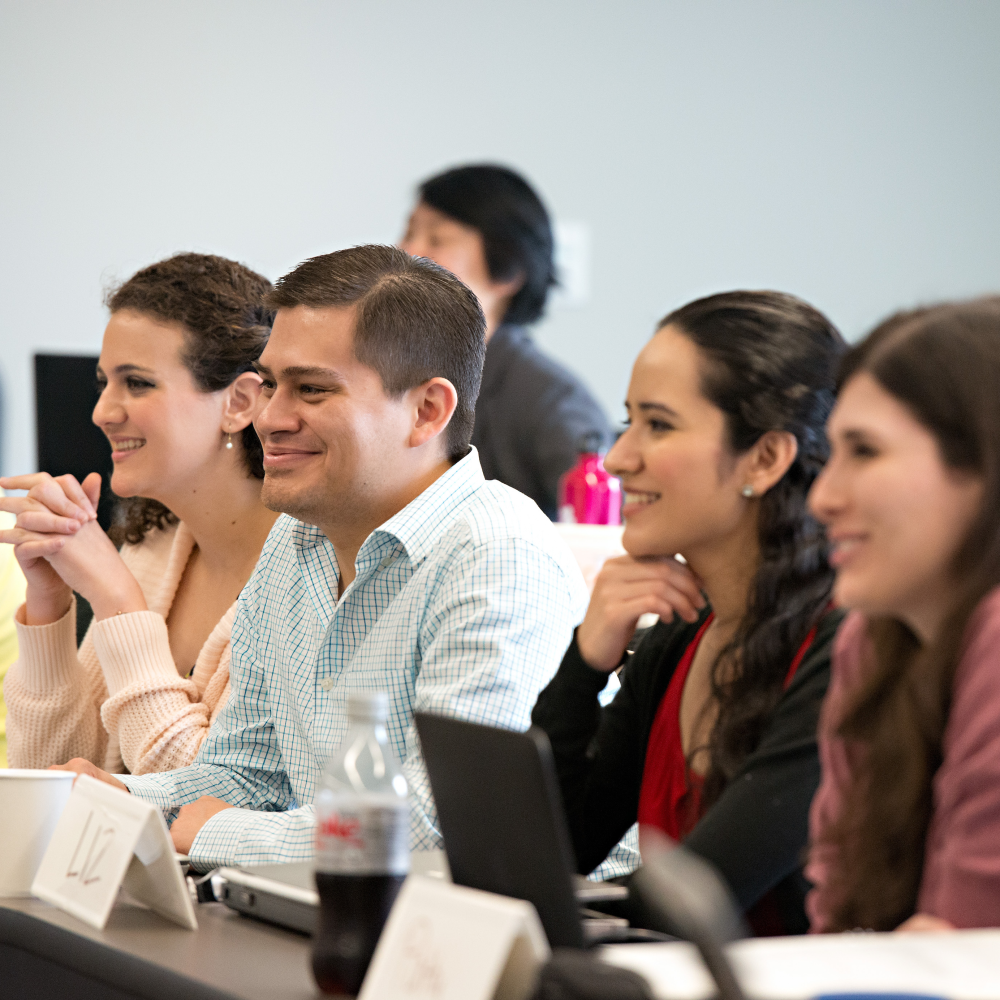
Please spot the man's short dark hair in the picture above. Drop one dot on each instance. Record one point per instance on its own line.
(510, 217)
(415, 321)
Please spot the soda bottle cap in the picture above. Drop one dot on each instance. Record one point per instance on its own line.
(372, 706)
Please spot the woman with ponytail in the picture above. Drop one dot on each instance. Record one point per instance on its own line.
(712, 737)
(905, 828)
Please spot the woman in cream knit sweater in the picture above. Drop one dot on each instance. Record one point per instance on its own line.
(176, 401)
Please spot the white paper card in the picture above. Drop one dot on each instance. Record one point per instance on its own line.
(104, 839)
(447, 942)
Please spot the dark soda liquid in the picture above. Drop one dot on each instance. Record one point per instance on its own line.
(353, 911)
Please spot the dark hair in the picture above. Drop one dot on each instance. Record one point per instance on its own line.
(415, 321)
(943, 364)
(510, 217)
(768, 361)
(220, 305)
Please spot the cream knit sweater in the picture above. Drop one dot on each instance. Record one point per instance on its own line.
(119, 700)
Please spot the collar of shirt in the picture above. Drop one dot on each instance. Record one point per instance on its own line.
(411, 532)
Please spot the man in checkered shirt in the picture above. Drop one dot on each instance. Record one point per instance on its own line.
(395, 567)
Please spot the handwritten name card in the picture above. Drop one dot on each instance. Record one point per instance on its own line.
(106, 839)
(448, 942)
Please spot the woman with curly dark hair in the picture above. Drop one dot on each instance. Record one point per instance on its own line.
(906, 824)
(177, 394)
(712, 737)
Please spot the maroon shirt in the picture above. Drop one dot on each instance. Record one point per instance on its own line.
(961, 877)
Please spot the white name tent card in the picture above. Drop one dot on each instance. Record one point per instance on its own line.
(105, 840)
(447, 942)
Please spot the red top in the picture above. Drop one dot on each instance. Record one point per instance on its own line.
(670, 794)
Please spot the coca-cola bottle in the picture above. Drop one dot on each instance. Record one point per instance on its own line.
(362, 845)
(587, 493)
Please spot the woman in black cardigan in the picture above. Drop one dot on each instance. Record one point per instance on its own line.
(712, 737)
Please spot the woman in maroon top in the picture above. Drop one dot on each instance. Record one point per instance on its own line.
(712, 737)
(906, 824)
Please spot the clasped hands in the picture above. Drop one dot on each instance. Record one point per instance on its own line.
(625, 590)
(190, 819)
(61, 547)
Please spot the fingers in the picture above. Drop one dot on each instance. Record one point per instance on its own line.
(23, 482)
(32, 545)
(75, 493)
(14, 505)
(663, 582)
(92, 487)
(80, 765)
(659, 567)
(62, 496)
(660, 598)
(43, 521)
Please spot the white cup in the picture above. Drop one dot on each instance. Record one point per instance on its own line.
(31, 803)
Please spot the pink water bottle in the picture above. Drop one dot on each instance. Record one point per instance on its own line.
(587, 493)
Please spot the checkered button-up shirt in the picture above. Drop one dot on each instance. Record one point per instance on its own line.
(463, 604)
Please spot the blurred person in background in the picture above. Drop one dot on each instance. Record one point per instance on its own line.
(488, 227)
(177, 393)
(712, 737)
(905, 827)
(12, 586)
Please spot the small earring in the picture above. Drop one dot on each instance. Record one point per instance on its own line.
(747, 491)
(229, 442)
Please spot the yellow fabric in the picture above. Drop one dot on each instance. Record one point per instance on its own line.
(12, 586)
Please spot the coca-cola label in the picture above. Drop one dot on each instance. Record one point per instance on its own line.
(362, 836)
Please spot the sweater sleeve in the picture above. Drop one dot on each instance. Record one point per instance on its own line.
(961, 880)
(756, 831)
(824, 855)
(599, 753)
(54, 695)
(160, 717)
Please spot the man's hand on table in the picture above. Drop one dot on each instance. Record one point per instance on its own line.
(191, 819)
(81, 766)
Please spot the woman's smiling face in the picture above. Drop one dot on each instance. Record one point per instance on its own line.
(681, 480)
(164, 431)
(895, 513)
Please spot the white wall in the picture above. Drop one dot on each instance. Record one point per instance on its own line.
(846, 151)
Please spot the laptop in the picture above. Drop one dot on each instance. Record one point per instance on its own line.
(504, 830)
(285, 894)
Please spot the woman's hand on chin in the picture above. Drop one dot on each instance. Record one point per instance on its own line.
(625, 590)
(61, 547)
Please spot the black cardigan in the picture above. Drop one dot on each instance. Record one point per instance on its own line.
(756, 831)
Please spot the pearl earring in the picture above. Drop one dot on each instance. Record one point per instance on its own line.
(747, 491)
(229, 442)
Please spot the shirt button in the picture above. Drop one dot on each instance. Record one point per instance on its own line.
(326, 683)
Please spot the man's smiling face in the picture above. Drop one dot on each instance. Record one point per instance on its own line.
(331, 435)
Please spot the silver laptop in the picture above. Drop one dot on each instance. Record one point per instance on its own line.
(286, 895)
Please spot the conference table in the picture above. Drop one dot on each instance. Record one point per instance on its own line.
(46, 954)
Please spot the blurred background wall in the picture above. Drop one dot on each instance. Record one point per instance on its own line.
(845, 151)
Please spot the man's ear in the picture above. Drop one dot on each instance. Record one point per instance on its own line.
(433, 404)
(768, 460)
(241, 397)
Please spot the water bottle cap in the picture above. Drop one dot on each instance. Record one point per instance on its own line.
(370, 705)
